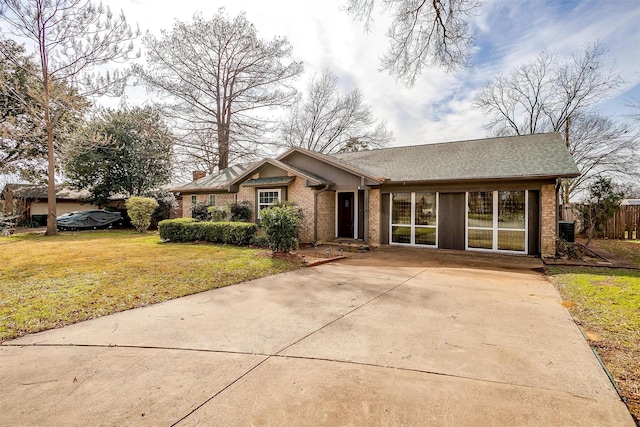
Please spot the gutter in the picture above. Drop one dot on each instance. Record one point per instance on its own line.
(315, 211)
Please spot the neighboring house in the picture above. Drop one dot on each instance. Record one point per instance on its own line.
(496, 194)
(630, 202)
(30, 201)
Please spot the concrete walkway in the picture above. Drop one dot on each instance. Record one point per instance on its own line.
(429, 338)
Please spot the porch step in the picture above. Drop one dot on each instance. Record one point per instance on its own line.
(349, 245)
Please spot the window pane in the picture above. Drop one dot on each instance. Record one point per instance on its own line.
(425, 236)
(212, 199)
(426, 209)
(481, 209)
(401, 208)
(401, 234)
(481, 239)
(511, 209)
(511, 240)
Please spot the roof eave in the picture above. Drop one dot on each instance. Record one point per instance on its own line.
(328, 159)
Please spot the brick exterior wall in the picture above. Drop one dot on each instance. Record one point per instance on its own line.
(326, 216)
(302, 196)
(374, 217)
(547, 221)
(248, 194)
(221, 200)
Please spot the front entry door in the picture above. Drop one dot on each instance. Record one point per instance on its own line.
(345, 215)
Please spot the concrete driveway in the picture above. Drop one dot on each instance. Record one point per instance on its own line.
(396, 337)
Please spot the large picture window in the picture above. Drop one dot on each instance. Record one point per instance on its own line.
(413, 218)
(266, 198)
(496, 220)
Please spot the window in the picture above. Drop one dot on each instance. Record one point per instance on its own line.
(480, 220)
(194, 203)
(266, 198)
(235, 197)
(413, 218)
(212, 199)
(496, 220)
(511, 220)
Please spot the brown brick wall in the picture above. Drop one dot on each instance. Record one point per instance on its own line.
(302, 197)
(248, 194)
(374, 217)
(326, 216)
(547, 220)
(221, 200)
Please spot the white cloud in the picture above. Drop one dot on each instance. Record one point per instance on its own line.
(439, 107)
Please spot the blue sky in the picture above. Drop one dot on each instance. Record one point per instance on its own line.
(439, 107)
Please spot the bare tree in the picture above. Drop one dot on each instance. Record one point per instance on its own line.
(327, 121)
(70, 38)
(601, 146)
(548, 94)
(220, 80)
(422, 34)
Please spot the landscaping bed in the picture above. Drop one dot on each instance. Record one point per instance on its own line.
(605, 303)
(48, 282)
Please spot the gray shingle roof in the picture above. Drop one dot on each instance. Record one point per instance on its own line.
(541, 155)
(217, 181)
(37, 191)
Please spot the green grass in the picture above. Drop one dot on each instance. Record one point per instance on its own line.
(607, 303)
(48, 282)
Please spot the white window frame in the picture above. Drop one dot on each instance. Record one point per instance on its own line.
(494, 228)
(212, 199)
(412, 225)
(267, 190)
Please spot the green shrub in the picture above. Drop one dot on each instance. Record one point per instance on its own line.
(217, 213)
(260, 241)
(140, 210)
(240, 211)
(190, 230)
(200, 212)
(281, 223)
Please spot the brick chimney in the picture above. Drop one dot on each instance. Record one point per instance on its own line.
(198, 174)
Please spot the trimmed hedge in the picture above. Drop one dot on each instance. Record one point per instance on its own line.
(190, 230)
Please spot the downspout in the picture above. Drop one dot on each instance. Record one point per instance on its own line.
(315, 211)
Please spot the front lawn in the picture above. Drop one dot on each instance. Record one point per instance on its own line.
(627, 249)
(606, 305)
(48, 282)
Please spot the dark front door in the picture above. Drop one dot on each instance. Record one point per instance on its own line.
(345, 215)
(451, 214)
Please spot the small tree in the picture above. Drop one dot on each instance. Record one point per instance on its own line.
(200, 211)
(240, 211)
(140, 210)
(281, 223)
(600, 206)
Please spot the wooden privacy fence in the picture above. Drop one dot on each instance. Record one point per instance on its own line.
(625, 224)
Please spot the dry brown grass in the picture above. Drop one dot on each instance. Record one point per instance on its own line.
(48, 282)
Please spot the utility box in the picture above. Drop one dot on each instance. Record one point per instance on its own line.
(567, 231)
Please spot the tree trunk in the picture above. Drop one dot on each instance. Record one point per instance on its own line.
(223, 147)
(52, 227)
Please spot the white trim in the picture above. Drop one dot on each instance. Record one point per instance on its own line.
(270, 190)
(494, 229)
(412, 225)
